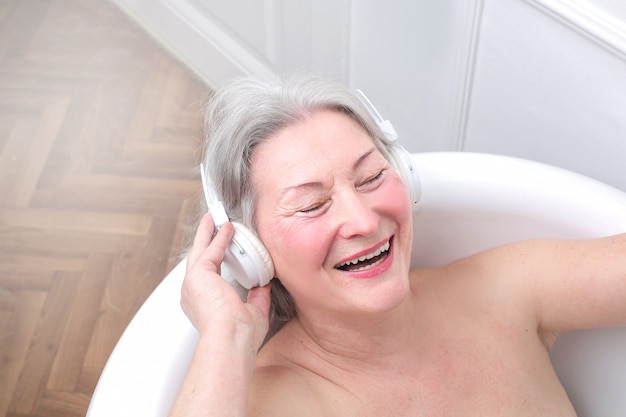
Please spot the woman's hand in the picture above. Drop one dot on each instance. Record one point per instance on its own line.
(231, 331)
(208, 300)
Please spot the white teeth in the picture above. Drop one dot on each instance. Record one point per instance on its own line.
(383, 248)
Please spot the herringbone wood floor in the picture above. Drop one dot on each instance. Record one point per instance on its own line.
(99, 139)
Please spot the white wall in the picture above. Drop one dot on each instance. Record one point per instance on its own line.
(541, 79)
(241, 20)
(220, 40)
(412, 58)
(550, 85)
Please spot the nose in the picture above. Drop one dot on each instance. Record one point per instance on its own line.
(357, 216)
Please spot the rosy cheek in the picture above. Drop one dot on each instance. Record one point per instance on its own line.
(393, 197)
(298, 246)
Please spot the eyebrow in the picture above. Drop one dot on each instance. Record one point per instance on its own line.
(362, 158)
(315, 184)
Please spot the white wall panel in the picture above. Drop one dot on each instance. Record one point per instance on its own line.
(314, 35)
(200, 40)
(547, 88)
(220, 40)
(412, 59)
(243, 19)
(541, 79)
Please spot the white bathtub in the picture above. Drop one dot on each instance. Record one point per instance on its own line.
(469, 202)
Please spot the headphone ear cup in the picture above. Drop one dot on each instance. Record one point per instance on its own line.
(247, 259)
(408, 173)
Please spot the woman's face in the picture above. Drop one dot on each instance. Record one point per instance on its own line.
(334, 216)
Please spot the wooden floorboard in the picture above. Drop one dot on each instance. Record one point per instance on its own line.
(100, 134)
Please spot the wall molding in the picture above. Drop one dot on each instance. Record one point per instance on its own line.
(208, 50)
(471, 32)
(588, 21)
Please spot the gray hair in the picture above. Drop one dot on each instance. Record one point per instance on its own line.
(249, 111)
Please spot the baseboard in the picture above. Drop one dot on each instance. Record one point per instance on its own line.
(195, 39)
(588, 21)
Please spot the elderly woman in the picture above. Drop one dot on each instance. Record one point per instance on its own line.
(303, 165)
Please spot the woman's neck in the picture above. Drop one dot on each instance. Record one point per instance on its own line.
(358, 337)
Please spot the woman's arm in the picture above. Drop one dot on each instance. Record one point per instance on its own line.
(565, 284)
(231, 332)
(218, 380)
(583, 284)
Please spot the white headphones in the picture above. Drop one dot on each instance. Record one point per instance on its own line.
(401, 156)
(246, 257)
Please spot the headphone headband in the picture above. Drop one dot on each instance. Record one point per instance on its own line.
(401, 156)
(214, 204)
(384, 125)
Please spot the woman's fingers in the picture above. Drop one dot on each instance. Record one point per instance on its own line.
(213, 255)
(204, 235)
(208, 246)
(203, 288)
(260, 298)
(205, 293)
(259, 308)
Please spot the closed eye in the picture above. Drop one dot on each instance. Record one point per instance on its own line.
(313, 209)
(373, 180)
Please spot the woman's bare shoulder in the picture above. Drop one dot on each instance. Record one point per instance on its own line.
(557, 285)
(490, 280)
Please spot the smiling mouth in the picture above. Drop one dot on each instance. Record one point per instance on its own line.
(367, 261)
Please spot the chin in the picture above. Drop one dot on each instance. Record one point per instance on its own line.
(382, 295)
